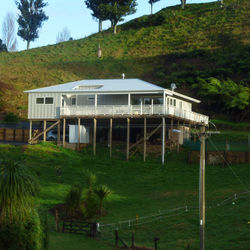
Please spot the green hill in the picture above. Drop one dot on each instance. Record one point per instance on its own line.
(174, 45)
(146, 190)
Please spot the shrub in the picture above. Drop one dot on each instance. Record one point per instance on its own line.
(11, 118)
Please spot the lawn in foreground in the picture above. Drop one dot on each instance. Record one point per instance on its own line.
(143, 189)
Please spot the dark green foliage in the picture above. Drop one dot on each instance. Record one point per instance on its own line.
(102, 192)
(3, 47)
(223, 95)
(26, 235)
(10, 118)
(73, 201)
(30, 19)
(96, 6)
(151, 2)
(17, 187)
(116, 10)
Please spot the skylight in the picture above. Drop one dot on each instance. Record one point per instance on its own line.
(88, 87)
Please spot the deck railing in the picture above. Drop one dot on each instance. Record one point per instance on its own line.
(118, 110)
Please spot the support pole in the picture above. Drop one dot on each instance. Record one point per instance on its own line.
(145, 139)
(44, 128)
(128, 137)
(79, 134)
(58, 133)
(178, 142)
(64, 129)
(171, 134)
(163, 141)
(110, 136)
(30, 134)
(94, 137)
(202, 189)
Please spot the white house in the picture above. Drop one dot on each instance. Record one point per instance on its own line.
(110, 98)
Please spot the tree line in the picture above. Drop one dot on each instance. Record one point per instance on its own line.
(32, 15)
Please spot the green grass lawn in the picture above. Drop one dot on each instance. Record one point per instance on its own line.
(143, 189)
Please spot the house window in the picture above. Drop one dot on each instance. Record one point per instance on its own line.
(73, 101)
(168, 101)
(180, 105)
(49, 100)
(40, 100)
(174, 102)
(171, 102)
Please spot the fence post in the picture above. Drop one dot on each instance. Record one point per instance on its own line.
(156, 241)
(57, 221)
(93, 229)
(133, 240)
(116, 238)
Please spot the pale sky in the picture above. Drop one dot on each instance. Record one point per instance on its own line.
(74, 15)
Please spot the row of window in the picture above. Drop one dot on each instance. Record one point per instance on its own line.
(46, 100)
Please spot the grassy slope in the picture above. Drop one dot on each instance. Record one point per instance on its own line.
(143, 189)
(173, 45)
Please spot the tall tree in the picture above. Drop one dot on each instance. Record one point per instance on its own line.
(97, 10)
(30, 19)
(151, 2)
(63, 35)
(2, 46)
(8, 32)
(117, 9)
(183, 3)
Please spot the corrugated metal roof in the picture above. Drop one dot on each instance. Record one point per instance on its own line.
(101, 85)
(107, 85)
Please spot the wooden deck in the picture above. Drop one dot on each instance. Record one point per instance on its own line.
(133, 111)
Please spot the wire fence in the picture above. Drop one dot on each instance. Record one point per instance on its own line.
(144, 229)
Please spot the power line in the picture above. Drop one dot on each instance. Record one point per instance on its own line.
(223, 158)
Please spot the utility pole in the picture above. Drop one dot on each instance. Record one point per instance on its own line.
(202, 188)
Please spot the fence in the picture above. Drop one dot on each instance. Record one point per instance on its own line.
(14, 134)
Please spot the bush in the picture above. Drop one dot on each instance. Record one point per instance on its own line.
(22, 236)
(11, 118)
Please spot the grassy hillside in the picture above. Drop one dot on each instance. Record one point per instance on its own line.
(174, 45)
(143, 189)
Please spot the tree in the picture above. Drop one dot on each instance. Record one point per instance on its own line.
(151, 2)
(97, 10)
(8, 32)
(115, 10)
(183, 4)
(17, 187)
(30, 19)
(102, 193)
(20, 226)
(63, 35)
(3, 47)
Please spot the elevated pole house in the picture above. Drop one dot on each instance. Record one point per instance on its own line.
(110, 99)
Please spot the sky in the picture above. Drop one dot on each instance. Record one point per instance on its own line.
(74, 15)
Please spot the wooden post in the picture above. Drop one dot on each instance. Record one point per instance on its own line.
(133, 240)
(64, 129)
(128, 137)
(79, 134)
(178, 142)
(30, 134)
(145, 139)
(44, 128)
(57, 221)
(110, 136)
(156, 240)
(116, 238)
(58, 133)
(163, 141)
(202, 189)
(94, 137)
(171, 134)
